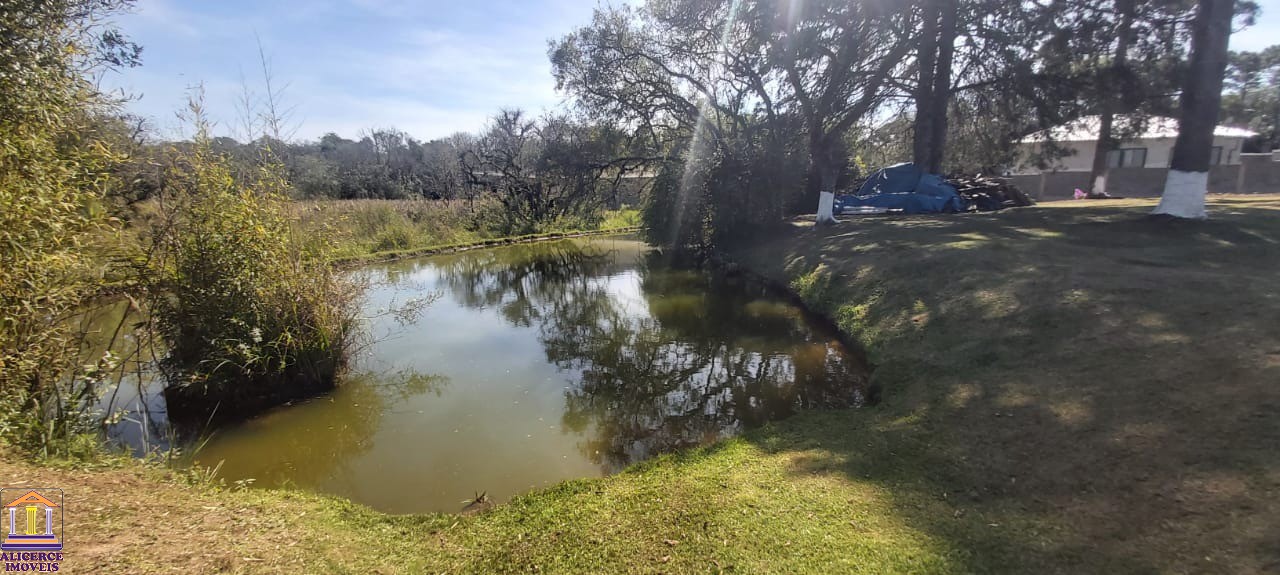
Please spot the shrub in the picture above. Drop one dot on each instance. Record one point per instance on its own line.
(251, 313)
(396, 236)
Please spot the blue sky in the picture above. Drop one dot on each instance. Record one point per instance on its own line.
(428, 67)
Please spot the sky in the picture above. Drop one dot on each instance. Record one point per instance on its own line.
(427, 67)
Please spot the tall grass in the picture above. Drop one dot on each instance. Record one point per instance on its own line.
(364, 227)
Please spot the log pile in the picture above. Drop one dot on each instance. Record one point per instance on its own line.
(981, 193)
(989, 193)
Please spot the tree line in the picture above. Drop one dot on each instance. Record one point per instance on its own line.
(739, 112)
(531, 169)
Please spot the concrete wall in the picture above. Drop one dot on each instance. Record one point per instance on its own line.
(1055, 186)
(1159, 153)
(1260, 175)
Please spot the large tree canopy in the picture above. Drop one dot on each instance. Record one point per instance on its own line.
(721, 69)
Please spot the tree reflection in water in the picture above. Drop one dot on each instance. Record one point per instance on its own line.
(694, 358)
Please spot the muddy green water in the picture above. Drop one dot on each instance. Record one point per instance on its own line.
(510, 369)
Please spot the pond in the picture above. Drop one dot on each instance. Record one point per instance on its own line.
(509, 369)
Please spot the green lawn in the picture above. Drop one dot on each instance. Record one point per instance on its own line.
(1069, 388)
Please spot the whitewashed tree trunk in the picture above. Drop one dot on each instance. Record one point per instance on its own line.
(1184, 194)
(1188, 180)
(826, 208)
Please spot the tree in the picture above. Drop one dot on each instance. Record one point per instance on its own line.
(935, 55)
(713, 81)
(545, 169)
(1252, 96)
(1188, 180)
(1124, 32)
(836, 57)
(442, 170)
(1245, 70)
(55, 167)
(1014, 61)
(1135, 81)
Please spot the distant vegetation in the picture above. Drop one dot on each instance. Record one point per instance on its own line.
(522, 175)
(532, 171)
(358, 229)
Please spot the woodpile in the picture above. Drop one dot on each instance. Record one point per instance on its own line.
(981, 193)
(988, 193)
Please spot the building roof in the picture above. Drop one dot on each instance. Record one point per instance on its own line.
(31, 498)
(1086, 130)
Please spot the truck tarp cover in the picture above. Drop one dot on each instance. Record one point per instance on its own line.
(904, 187)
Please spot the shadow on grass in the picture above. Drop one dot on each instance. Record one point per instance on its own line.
(1067, 388)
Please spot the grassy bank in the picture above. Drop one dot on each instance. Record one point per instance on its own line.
(378, 229)
(433, 250)
(1066, 389)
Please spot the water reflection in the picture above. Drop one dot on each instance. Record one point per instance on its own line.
(703, 358)
(528, 282)
(548, 362)
(115, 339)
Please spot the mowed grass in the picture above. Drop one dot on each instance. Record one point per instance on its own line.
(1070, 388)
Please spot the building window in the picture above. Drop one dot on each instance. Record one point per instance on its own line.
(1127, 158)
(1215, 157)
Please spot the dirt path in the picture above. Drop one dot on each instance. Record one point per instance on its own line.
(143, 521)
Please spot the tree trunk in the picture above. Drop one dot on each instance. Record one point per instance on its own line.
(926, 64)
(1107, 109)
(824, 171)
(935, 53)
(942, 84)
(1187, 184)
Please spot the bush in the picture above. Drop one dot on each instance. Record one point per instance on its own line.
(252, 314)
(720, 192)
(394, 237)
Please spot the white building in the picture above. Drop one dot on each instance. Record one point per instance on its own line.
(1151, 149)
